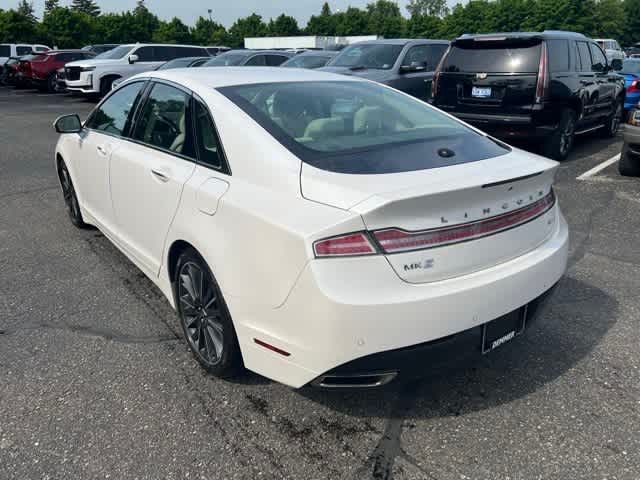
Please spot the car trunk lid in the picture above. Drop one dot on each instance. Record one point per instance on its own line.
(445, 222)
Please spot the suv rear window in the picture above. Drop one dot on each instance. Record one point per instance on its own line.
(493, 57)
(360, 127)
(5, 51)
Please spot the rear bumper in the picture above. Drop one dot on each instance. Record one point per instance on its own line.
(509, 126)
(632, 138)
(343, 313)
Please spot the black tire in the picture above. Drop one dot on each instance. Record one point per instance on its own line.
(105, 86)
(70, 198)
(52, 84)
(558, 146)
(629, 165)
(205, 318)
(613, 122)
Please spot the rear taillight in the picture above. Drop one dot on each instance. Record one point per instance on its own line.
(436, 74)
(344, 245)
(394, 240)
(634, 87)
(543, 75)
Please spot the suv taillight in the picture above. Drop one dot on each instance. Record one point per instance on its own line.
(543, 75)
(436, 74)
(396, 240)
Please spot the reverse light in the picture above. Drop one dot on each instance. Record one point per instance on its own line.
(394, 240)
(344, 245)
(543, 77)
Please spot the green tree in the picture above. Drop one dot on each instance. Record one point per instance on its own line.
(424, 26)
(25, 9)
(284, 26)
(67, 28)
(631, 32)
(251, 26)
(17, 27)
(173, 32)
(609, 19)
(385, 19)
(208, 32)
(50, 5)
(86, 6)
(323, 24)
(432, 8)
(353, 21)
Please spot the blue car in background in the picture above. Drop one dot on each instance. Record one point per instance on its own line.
(631, 72)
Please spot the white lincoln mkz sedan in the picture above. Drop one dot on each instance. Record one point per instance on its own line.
(312, 227)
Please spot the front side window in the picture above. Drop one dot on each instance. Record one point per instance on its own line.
(360, 127)
(164, 120)
(599, 61)
(276, 60)
(209, 151)
(416, 56)
(145, 54)
(368, 55)
(24, 50)
(585, 56)
(113, 115)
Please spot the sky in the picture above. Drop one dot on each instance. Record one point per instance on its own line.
(224, 11)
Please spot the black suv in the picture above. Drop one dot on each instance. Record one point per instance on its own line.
(551, 85)
(406, 65)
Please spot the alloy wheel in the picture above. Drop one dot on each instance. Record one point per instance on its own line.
(566, 138)
(69, 194)
(200, 313)
(615, 121)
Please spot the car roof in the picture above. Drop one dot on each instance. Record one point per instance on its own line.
(207, 78)
(68, 50)
(317, 53)
(543, 35)
(249, 51)
(398, 41)
(131, 45)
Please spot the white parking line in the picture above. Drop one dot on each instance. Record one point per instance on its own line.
(598, 168)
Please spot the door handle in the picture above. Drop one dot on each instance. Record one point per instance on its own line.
(163, 177)
(101, 150)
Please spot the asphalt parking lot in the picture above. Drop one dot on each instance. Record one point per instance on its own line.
(97, 382)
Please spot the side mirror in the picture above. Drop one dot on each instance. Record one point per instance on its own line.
(133, 58)
(616, 64)
(68, 124)
(413, 67)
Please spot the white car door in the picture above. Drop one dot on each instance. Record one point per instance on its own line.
(148, 173)
(101, 137)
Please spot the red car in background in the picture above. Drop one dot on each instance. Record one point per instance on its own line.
(40, 70)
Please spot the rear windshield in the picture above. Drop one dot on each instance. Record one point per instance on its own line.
(360, 127)
(226, 60)
(5, 51)
(368, 55)
(487, 57)
(631, 67)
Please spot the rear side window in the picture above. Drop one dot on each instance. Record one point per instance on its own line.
(164, 121)
(5, 51)
(256, 61)
(491, 58)
(113, 115)
(208, 144)
(276, 60)
(584, 56)
(558, 53)
(360, 127)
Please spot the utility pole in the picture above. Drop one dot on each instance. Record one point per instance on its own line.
(210, 12)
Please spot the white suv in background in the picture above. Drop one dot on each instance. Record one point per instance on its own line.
(611, 48)
(18, 50)
(95, 76)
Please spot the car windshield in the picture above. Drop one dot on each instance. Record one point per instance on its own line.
(177, 63)
(115, 54)
(226, 60)
(631, 67)
(370, 55)
(360, 127)
(307, 61)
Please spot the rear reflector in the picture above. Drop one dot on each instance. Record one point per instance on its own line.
(394, 240)
(344, 245)
(271, 347)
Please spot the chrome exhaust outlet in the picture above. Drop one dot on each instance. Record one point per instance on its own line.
(359, 380)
